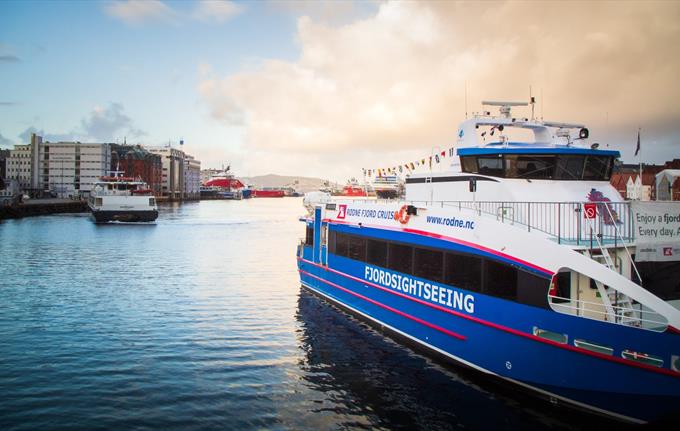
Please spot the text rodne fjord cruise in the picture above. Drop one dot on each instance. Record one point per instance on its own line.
(518, 262)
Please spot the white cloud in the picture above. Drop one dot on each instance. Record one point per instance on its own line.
(110, 123)
(139, 11)
(216, 10)
(379, 88)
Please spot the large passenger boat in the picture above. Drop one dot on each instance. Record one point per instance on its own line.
(519, 262)
(123, 199)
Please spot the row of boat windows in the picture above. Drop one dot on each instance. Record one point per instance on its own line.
(465, 271)
(541, 166)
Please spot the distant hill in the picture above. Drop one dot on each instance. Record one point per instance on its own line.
(301, 184)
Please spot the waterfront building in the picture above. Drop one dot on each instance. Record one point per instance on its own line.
(172, 178)
(192, 177)
(4, 155)
(137, 162)
(22, 165)
(63, 169)
(668, 185)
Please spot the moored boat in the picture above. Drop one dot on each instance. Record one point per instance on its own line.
(268, 192)
(123, 199)
(519, 262)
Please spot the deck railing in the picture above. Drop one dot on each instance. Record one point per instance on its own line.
(568, 222)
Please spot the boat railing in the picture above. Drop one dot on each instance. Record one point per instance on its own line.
(574, 223)
(634, 315)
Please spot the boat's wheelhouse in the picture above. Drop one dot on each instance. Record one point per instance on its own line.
(555, 163)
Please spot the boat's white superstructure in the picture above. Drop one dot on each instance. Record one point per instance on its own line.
(118, 198)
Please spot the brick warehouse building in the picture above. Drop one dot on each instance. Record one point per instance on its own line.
(135, 161)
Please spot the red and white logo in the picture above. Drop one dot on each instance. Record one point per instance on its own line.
(668, 251)
(589, 210)
(342, 211)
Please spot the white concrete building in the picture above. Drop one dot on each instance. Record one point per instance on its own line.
(192, 177)
(72, 168)
(66, 169)
(173, 171)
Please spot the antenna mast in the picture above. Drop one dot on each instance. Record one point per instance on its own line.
(466, 111)
(532, 101)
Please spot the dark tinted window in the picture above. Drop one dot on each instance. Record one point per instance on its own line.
(463, 271)
(597, 168)
(529, 166)
(532, 289)
(400, 258)
(309, 235)
(331, 241)
(357, 248)
(490, 166)
(500, 280)
(429, 264)
(342, 245)
(469, 164)
(660, 278)
(562, 287)
(569, 167)
(377, 252)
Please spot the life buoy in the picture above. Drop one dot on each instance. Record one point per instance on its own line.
(402, 215)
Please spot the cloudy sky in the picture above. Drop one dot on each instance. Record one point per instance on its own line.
(327, 88)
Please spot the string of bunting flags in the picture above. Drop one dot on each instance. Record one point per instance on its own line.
(410, 166)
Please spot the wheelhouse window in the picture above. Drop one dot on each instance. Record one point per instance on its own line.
(490, 166)
(529, 166)
(597, 168)
(541, 166)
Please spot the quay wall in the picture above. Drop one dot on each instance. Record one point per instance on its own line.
(40, 207)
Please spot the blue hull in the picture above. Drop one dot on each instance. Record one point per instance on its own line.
(496, 337)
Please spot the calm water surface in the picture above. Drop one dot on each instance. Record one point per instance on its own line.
(198, 322)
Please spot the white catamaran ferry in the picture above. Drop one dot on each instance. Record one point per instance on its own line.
(124, 199)
(519, 262)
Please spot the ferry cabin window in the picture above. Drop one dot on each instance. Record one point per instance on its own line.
(429, 264)
(660, 278)
(500, 280)
(376, 253)
(532, 289)
(463, 271)
(490, 166)
(357, 248)
(400, 258)
(309, 235)
(342, 245)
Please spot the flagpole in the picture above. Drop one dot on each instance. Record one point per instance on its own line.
(640, 149)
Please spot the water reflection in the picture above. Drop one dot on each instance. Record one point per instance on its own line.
(374, 382)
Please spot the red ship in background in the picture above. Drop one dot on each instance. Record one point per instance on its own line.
(224, 180)
(354, 189)
(268, 192)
